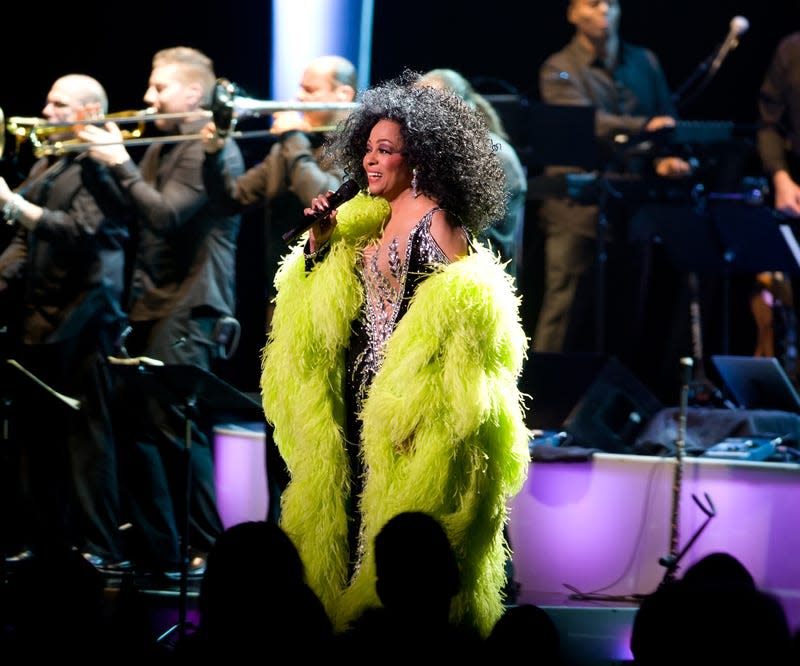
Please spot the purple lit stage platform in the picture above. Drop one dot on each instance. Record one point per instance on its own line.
(601, 526)
(240, 472)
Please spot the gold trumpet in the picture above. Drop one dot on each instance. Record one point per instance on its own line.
(41, 133)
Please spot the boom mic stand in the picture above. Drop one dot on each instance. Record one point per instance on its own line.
(680, 97)
(708, 68)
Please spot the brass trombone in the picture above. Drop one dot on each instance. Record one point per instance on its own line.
(41, 133)
(226, 109)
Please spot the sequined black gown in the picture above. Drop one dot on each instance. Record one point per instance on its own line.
(409, 262)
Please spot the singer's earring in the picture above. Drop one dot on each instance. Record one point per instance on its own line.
(414, 192)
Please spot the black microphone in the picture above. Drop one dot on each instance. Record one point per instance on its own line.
(347, 190)
(739, 25)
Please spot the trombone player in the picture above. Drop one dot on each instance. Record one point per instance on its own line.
(183, 285)
(286, 180)
(61, 281)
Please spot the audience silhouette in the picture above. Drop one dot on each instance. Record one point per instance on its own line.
(417, 577)
(54, 603)
(525, 625)
(713, 614)
(254, 599)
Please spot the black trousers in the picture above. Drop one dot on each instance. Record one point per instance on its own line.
(162, 469)
(59, 463)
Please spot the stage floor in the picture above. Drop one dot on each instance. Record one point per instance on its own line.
(154, 608)
(599, 528)
(593, 633)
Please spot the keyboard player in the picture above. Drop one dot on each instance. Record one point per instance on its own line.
(588, 286)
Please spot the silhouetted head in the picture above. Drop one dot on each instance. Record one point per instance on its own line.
(414, 562)
(526, 624)
(248, 558)
(718, 569)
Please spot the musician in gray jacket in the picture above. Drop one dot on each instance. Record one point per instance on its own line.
(627, 88)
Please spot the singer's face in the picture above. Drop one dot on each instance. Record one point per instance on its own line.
(388, 173)
(596, 19)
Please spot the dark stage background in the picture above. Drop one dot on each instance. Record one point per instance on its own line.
(498, 46)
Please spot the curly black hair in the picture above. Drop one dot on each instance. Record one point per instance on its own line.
(444, 139)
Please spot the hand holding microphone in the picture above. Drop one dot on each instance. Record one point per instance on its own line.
(324, 220)
(319, 213)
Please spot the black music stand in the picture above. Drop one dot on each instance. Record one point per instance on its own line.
(686, 234)
(753, 240)
(21, 385)
(187, 388)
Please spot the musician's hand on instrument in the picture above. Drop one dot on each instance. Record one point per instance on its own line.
(321, 231)
(787, 194)
(658, 123)
(106, 143)
(212, 141)
(286, 121)
(92, 111)
(673, 167)
(110, 133)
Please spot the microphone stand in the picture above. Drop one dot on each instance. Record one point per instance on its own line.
(675, 555)
(705, 70)
(701, 70)
(671, 560)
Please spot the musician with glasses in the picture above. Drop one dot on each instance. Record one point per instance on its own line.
(183, 283)
(627, 87)
(283, 183)
(61, 283)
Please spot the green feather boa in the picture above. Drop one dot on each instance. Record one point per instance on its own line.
(443, 425)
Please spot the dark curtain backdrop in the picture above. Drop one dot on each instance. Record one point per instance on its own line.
(499, 44)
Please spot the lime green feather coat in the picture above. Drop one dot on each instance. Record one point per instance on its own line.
(443, 425)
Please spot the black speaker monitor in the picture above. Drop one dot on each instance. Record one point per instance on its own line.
(613, 411)
(556, 382)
